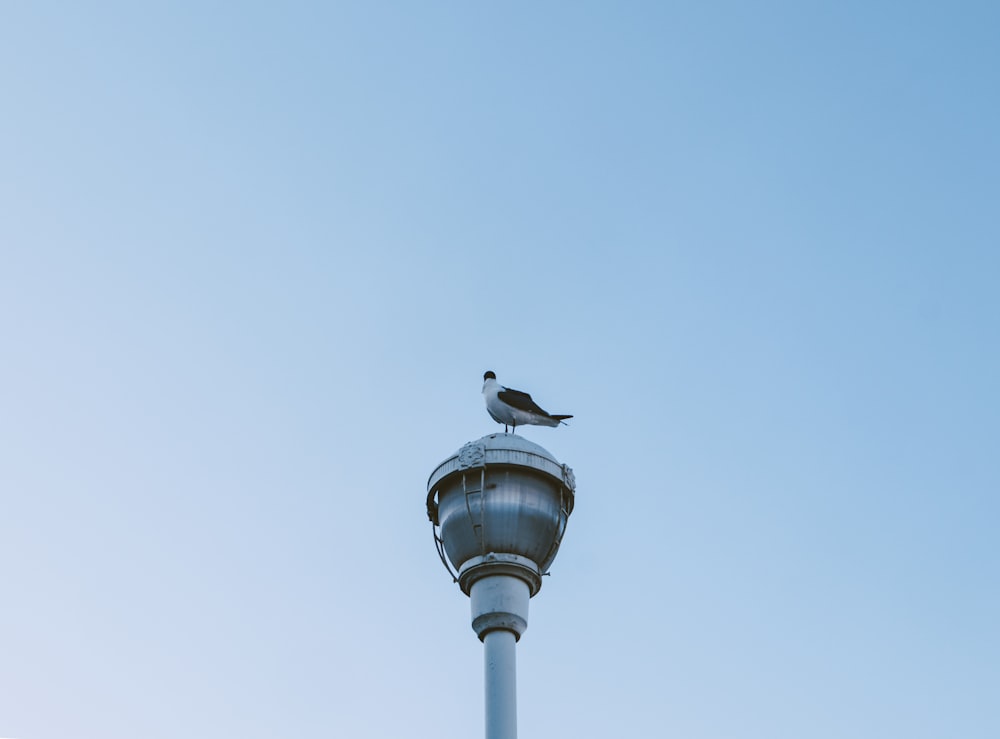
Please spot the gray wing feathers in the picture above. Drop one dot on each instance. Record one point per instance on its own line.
(519, 400)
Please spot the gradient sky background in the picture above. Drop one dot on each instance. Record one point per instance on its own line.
(256, 258)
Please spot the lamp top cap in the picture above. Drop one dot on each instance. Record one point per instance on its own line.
(513, 442)
(502, 449)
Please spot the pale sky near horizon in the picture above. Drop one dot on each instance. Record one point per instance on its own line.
(255, 258)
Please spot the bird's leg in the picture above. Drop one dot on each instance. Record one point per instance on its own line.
(513, 428)
(505, 428)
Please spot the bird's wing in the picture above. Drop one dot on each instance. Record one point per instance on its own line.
(519, 400)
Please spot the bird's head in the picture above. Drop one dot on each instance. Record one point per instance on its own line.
(486, 379)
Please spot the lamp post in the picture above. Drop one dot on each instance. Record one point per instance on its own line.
(499, 508)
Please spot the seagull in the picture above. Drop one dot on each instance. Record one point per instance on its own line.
(512, 407)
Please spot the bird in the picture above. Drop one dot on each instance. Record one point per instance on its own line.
(513, 407)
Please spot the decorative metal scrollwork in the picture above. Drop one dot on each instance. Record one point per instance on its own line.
(568, 477)
(472, 454)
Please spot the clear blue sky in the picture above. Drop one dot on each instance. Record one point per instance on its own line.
(256, 258)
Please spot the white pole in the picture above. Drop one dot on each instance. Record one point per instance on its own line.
(499, 617)
(501, 684)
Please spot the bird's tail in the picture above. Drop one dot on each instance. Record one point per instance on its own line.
(561, 419)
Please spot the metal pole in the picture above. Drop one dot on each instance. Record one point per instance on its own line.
(501, 684)
(499, 617)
